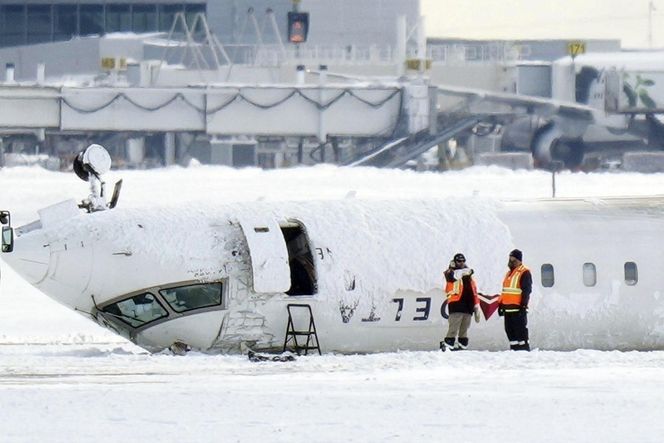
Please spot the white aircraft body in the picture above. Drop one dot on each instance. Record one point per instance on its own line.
(219, 278)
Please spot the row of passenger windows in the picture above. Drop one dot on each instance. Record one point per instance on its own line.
(24, 24)
(144, 308)
(590, 274)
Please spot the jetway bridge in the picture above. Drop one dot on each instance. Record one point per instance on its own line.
(277, 110)
(395, 117)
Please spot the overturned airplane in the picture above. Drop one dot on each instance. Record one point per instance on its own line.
(343, 276)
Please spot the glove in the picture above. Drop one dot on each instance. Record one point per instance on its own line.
(452, 265)
(524, 309)
(501, 311)
(476, 312)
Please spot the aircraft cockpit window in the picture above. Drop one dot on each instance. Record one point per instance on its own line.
(631, 273)
(137, 311)
(589, 274)
(186, 298)
(547, 275)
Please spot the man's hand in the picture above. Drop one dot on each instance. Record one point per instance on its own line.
(476, 313)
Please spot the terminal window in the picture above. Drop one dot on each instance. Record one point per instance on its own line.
(65, 23)
(118, 18)
(167, 15)
(190, 12)
(39, 23)
(144, 18)
(13, 29)
(91, 19)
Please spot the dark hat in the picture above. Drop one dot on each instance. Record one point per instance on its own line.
(517, 254)
(459, 256)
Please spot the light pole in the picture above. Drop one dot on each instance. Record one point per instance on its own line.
(651, 10)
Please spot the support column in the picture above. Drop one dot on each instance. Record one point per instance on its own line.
(169, 149)
(421, 45)
(322, 80)
(135, 149)
(221, 152)
(299, 75)
(400, 54)
(41, 73)
(9, 73)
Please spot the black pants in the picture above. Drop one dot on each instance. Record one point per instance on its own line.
(516, 328)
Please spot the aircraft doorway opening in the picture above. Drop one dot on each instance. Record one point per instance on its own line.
(300, 261)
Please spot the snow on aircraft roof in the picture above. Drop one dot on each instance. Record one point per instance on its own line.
(366, 234)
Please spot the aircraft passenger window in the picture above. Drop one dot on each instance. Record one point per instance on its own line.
(547, 275)
(589, 274)
(631, 273)
(137, 311)
(186, 298)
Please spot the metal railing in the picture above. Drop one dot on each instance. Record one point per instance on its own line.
(274, 54)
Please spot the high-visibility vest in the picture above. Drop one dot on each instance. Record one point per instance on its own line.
(511, 294)
(454, 290)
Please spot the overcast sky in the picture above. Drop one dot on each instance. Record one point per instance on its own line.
(519, 19)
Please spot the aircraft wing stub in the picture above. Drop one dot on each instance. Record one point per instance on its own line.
(533, 105)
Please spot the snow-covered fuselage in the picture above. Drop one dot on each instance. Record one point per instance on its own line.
(219, 278)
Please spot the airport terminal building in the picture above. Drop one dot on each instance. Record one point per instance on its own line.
(338, 22)
(110, 71)
(56, 43)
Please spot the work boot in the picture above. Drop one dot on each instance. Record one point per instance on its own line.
(463, 343)
(521, 347)
(446, 344)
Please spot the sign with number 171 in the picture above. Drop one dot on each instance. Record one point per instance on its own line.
(576, 48)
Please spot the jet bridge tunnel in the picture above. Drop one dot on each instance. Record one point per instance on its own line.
(317, 112)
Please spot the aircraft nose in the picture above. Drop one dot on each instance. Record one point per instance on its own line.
(30, 257)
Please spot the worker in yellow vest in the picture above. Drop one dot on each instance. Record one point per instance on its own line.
(513, 302)
(462, 303)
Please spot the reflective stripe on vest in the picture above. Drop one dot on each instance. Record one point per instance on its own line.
(511, 294)
(453, 290)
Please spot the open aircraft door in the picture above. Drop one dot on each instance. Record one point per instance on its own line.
(269, 254)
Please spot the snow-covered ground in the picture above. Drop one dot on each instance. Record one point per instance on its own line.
(62, 378)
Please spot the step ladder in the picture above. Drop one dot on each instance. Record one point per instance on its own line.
(292, 334)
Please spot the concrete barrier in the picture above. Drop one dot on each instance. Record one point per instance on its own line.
(643, 162)
(511, 160)
(43, 160)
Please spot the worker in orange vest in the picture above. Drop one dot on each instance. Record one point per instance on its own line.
(513, 302)
(462, 303)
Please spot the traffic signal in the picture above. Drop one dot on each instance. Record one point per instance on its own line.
(298, 27)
